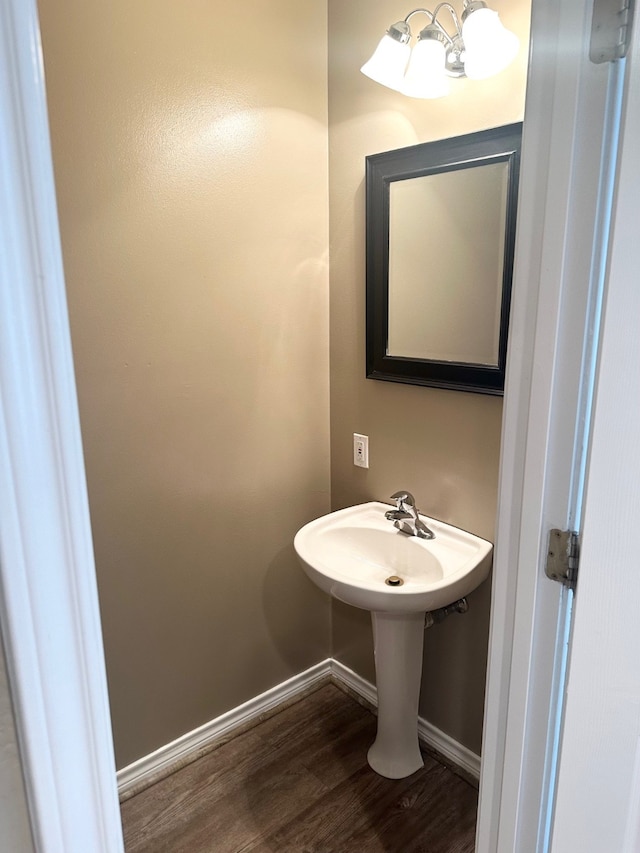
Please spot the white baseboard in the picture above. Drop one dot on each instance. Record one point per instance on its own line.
(185, 749)
(450, 749)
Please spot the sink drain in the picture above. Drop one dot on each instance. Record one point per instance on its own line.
(394, 580)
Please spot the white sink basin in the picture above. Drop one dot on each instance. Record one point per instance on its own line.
(350, 554)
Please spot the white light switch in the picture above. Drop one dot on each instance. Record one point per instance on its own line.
(361, 450)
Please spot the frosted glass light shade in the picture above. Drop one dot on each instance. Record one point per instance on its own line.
(489, 46)
(425, 77)
(388, 63)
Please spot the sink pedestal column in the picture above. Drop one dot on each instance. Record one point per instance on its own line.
(398, 640)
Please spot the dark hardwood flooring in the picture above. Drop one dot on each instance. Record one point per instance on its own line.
(299, 783)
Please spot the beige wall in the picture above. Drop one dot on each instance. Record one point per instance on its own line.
(441, 445)
(190, 149)
(193, 195)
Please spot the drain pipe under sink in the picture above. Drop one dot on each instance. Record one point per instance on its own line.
(434, 616)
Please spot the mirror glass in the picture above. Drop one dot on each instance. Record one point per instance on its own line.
(440, 235)
(468, 208)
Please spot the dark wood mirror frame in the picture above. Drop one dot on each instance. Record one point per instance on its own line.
(496, 145)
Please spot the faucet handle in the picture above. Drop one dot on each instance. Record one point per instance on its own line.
(397, 514)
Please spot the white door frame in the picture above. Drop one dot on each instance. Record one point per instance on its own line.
(566, 179)
(48, 600)
(49, 612)
(598, 792)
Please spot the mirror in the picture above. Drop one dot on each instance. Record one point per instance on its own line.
(440, 241)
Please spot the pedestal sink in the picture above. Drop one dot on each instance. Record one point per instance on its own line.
(352, 554)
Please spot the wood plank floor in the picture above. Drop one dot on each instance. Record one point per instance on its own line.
(299, 783)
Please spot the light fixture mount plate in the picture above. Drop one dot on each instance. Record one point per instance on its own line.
(454, 60)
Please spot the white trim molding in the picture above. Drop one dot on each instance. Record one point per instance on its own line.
(141, 774)
(48, 597)
(168, 759)
(553, 341)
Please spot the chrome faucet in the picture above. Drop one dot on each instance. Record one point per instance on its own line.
(406, 518)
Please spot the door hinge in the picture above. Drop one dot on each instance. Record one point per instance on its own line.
(610, 30)
(562, 557)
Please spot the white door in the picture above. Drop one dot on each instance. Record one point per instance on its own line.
(568, 175)
(598, 795)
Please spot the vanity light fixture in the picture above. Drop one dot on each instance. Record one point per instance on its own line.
(480, 47)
